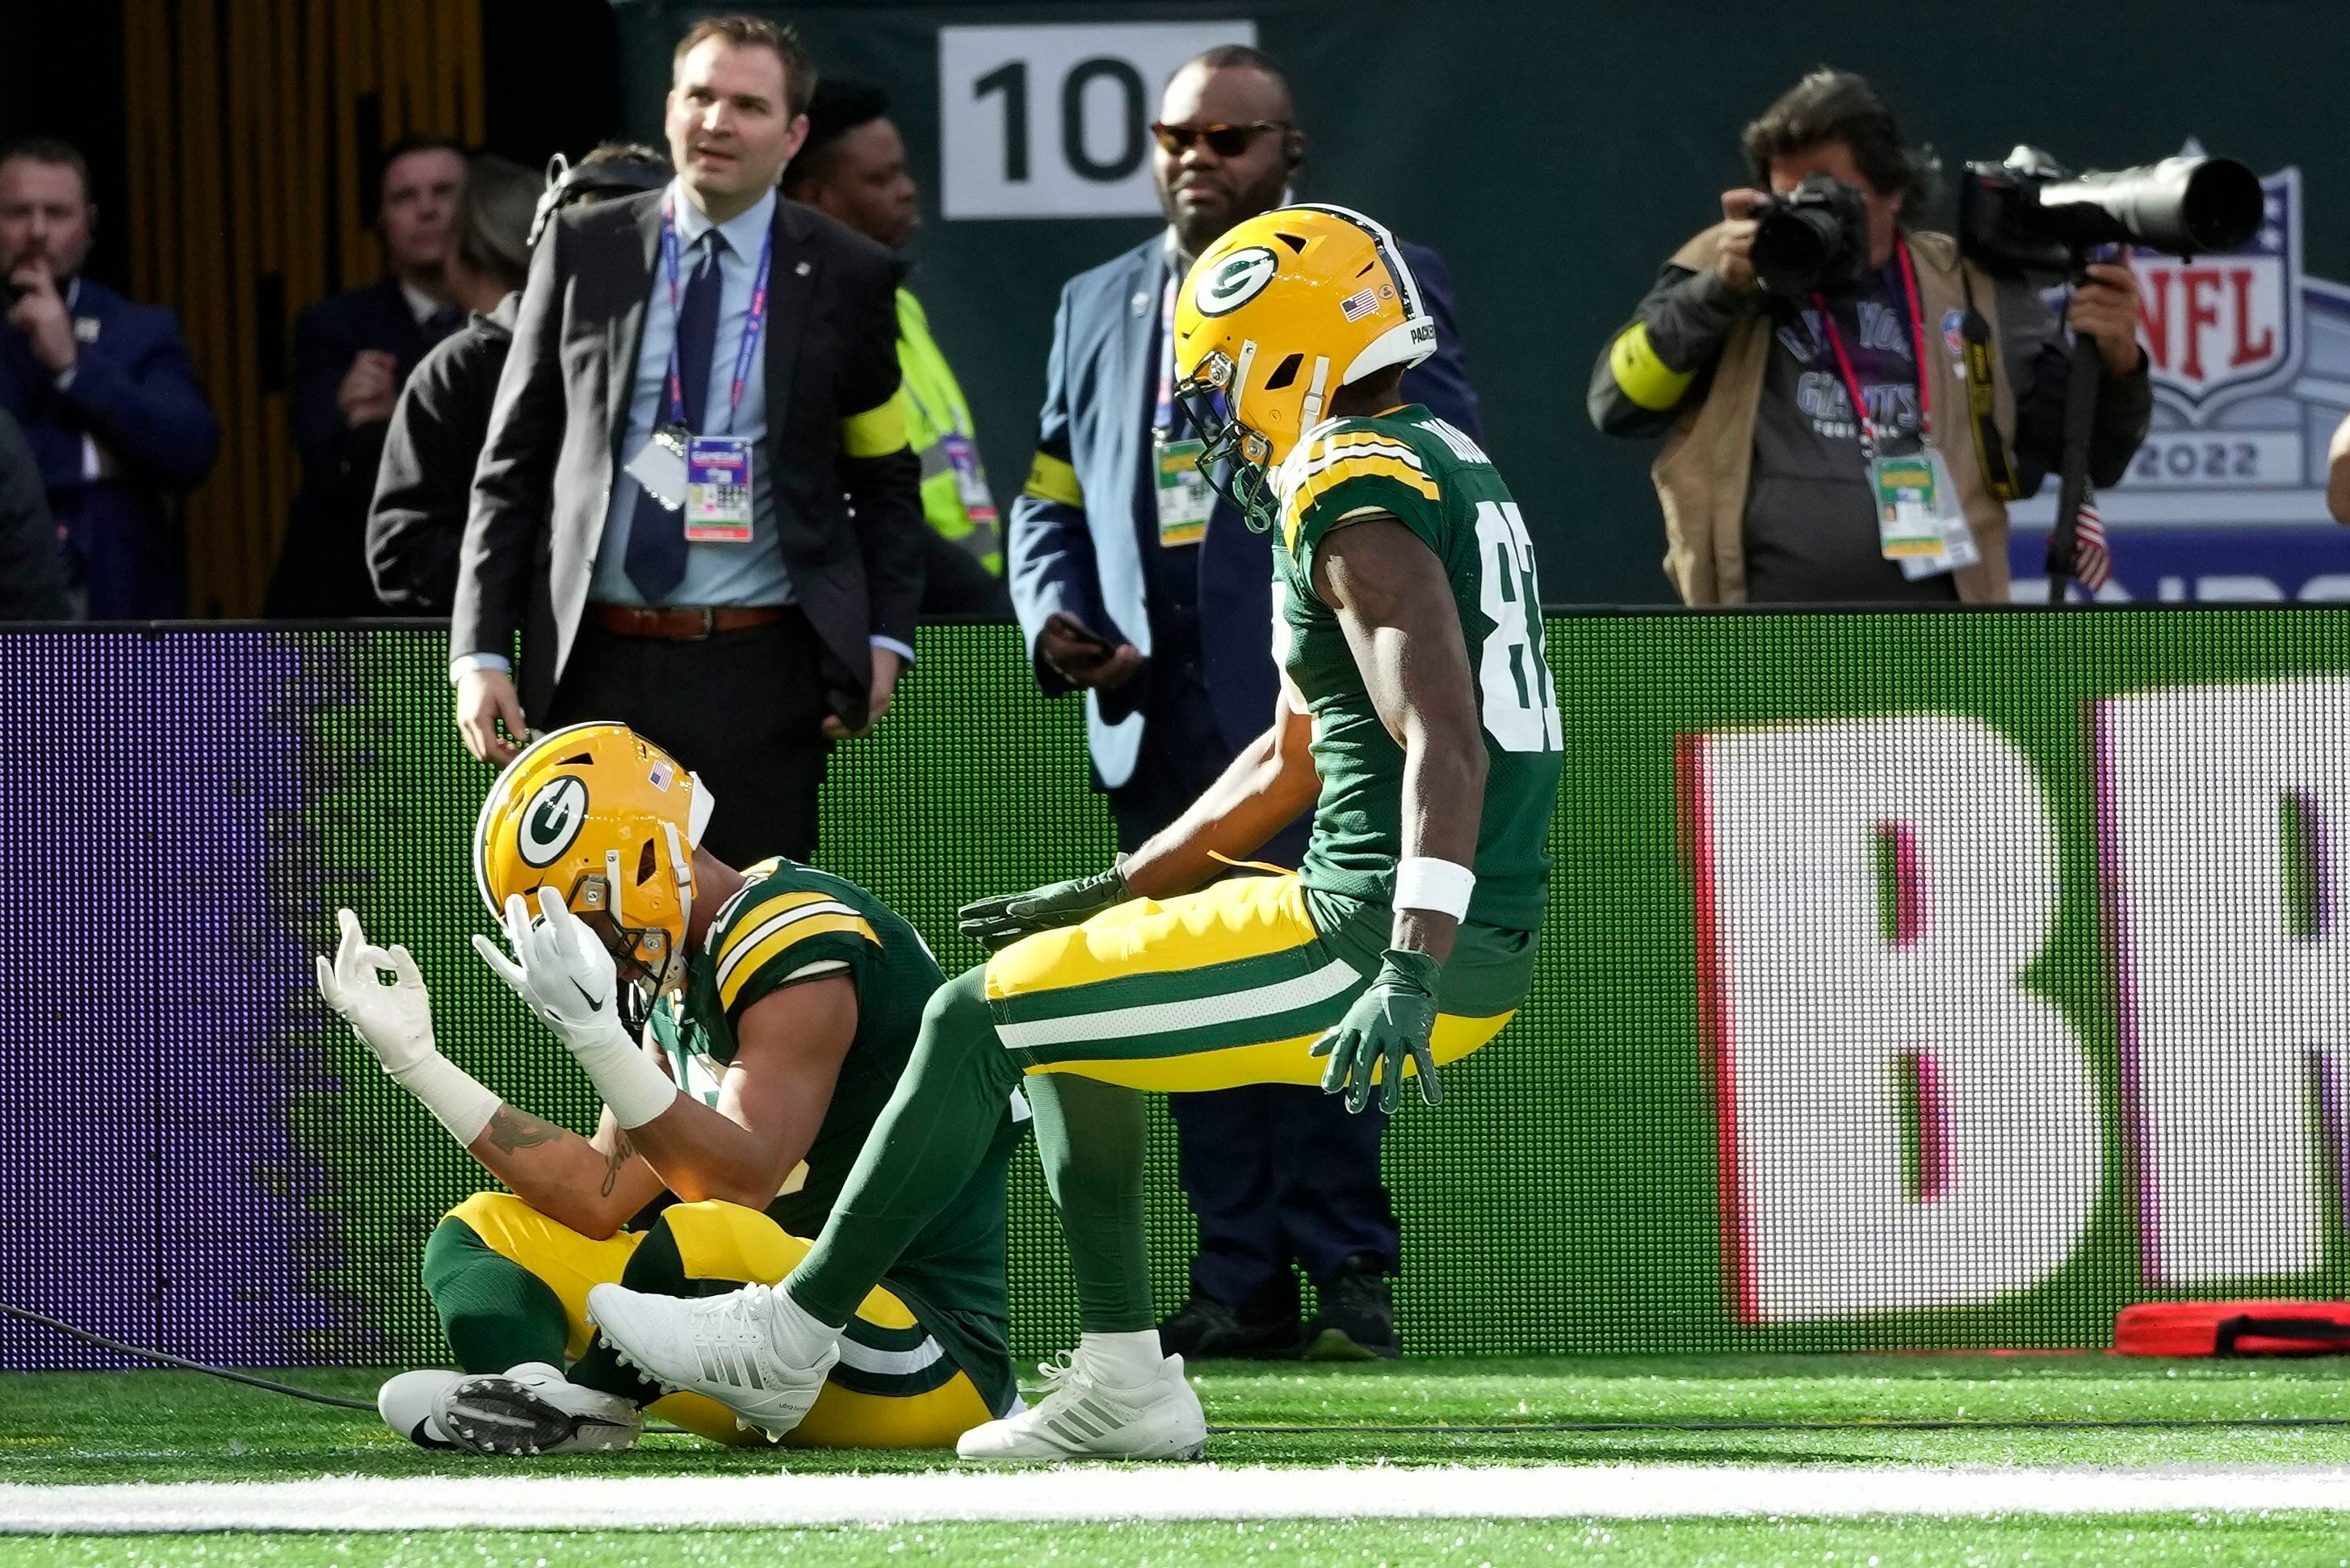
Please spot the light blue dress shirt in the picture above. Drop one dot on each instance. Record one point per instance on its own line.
(750, 574)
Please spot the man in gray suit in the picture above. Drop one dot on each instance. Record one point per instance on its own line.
(697, 504)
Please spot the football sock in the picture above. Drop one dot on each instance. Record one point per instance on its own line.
(930, 1138)
(496, 1313)
(1122, 1360)
(1090, 1136)
(799, 1337)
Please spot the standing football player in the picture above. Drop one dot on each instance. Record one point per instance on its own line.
(748, 1035)
(1416, 715)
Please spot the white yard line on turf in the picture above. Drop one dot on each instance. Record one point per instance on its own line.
(1176, 1492)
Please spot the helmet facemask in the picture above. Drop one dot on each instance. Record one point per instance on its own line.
(1236, 459)
(645, 961)
(598, 814)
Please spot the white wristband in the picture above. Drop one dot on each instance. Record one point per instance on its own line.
(635, 1089)
(1438, 885)
(456, 1099)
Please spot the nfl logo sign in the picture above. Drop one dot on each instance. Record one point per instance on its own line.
(2219, 328)
(2248, 356)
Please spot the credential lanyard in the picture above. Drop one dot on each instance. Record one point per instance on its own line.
(1916, 350)
(752, 322)
(1162, 418)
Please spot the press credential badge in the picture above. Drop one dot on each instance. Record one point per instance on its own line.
(1908, 504)
(970, 482)
(1185, 497)
(718, 490)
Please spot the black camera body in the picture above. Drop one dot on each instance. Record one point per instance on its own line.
(2032, 216)
(1812, 240)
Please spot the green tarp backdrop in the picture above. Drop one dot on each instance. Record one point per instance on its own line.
(1555, 154)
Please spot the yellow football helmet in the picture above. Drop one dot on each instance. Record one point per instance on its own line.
(609, 821)
(1282, 311)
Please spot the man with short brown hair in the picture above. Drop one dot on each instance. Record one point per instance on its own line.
(777, 39)
(104, 390)
(699, 410)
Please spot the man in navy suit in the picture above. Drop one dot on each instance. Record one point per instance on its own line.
(352, 353)
(1136, 586)
(104, 390)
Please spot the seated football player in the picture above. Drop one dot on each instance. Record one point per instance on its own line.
(1417, 719)
(744, 1029)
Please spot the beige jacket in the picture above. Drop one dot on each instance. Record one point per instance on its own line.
(1701, 475)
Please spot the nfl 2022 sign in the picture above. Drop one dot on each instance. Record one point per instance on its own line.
(2249, 359)
(1907, 1116)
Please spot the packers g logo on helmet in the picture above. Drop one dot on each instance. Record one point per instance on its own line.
(609, 821)
(1282, 311)
(1240, 278)
(551, 819)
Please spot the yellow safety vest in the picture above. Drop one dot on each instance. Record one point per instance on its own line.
(938, 427)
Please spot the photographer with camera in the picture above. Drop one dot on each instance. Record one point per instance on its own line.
(1807, 356)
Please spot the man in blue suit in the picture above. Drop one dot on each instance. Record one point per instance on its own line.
(1138, 586)
(104, 390)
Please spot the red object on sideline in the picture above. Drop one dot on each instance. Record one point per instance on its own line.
(2233, 1328)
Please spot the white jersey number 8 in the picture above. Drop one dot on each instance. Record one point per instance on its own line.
(1520, 708)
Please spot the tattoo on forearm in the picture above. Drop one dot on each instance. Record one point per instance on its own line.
(620, 1156)
(509, 1130)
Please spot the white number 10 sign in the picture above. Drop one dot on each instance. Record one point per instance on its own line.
(1054, 121)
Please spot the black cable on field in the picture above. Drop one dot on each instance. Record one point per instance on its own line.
(167, 1359)
(1857, 1424)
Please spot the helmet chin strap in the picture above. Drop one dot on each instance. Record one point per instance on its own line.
(682, 860)
(1310, 414)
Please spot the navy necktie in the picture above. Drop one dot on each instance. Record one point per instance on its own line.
(656, 557)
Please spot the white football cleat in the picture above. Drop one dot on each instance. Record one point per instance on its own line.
(533, 1410)
(406, 1402)
(714, 1346)
(1082, 1419)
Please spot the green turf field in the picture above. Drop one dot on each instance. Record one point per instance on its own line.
(2212, 1542)
(1818, 1412)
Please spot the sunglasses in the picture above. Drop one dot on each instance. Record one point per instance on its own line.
(1223, 140)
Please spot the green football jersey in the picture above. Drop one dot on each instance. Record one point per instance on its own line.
(1412, 466)
(791, 923)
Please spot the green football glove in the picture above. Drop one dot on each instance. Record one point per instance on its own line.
(996, 922)
(1388, 1022)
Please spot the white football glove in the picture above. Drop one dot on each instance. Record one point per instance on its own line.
(395, 1023)
(564, 976)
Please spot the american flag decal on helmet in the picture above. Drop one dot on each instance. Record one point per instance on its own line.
(1359, 303)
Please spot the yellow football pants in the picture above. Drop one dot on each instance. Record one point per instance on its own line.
(1222, 987)
(719, 1241)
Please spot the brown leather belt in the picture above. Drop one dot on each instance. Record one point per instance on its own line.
(681, 624)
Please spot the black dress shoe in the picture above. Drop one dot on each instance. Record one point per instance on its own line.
(1357, 1322)
(1206, 1329)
